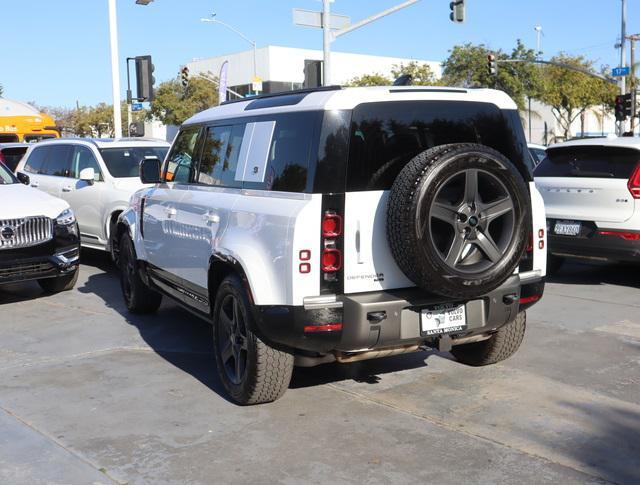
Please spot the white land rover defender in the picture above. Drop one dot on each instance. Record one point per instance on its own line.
(339, 225)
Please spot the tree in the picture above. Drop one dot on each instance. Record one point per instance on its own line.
(173, 104)
(421, 74)
(466, 66)
(1, 90)
(570, 94)
(375, 79)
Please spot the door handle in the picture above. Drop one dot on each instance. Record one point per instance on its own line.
(211, 217)
(171, 212)
(35, 184)
(67, 189)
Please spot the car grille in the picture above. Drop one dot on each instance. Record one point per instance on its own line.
(21, 233)
(20, 271)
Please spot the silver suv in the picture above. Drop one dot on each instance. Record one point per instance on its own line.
(340, 225)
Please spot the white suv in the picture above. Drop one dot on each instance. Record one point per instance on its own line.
(591, 190)
(95, 176)
(340, 225)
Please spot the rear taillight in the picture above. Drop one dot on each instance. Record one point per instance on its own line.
(634, 183)
(627, 235)
(331, 256)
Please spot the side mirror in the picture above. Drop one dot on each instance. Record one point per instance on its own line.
(24, 178)
(88, 175)
(150, 170)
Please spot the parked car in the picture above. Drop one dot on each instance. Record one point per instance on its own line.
(38, 236)
(590, 188)
(538, 152)
(12, 153)
(340, 225)
(95, 176)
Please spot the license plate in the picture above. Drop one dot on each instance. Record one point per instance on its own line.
(567, 228)
(443, 319)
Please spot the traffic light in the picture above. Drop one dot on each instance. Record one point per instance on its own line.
(457, 11)
(620, 110)
(184, 76)
(628, 105)
(492, 64)
(144, 78)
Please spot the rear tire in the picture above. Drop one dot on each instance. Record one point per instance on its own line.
(500, 346)
(59, 283)
(138, 297)
(251, 371)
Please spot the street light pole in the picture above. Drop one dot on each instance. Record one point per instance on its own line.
(623, 57)
(253, 44)
(326, 43)
(115, 70)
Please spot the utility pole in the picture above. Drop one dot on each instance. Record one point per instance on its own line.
(326, 42)
(633, 82)
(623, 56)
(115, 70)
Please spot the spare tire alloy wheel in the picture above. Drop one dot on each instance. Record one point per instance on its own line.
(471, 246)
(457, 220)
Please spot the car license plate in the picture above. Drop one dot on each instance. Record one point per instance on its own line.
(567, 228)
(443, 319)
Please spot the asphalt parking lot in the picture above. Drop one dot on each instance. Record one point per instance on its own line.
(91, 394)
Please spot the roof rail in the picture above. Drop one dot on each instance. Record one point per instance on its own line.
(285, 93)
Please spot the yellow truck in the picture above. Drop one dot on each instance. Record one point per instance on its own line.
(21, 122)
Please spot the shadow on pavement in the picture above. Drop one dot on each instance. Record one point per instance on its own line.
(614, 443)
(577, 273)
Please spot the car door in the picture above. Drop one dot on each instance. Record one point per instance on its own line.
(34, 165)
(165, 239)
(84, 197)
(206, 208)
(57, 169)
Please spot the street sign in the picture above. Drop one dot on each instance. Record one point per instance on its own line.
(620, 71)
(256, 84)
(137, 107)
(309, 18)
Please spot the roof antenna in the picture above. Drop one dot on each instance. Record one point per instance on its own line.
(404, 80)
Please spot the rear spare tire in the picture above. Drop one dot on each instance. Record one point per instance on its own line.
(457, 219)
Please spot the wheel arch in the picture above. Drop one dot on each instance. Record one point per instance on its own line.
(221, 266)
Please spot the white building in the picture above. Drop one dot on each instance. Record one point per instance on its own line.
(282, 68)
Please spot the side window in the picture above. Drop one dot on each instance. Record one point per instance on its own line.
(58, 161)
(36, 159)
(288, 151)
(181, 164)
(82, 158)
(213, 154)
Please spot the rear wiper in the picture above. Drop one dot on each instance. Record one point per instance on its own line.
(587, 173)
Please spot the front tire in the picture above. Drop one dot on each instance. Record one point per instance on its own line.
(251, 371)
(60, 283)
(500, 346)
(138, 297)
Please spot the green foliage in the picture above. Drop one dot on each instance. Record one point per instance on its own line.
(173, 104)
(466, 66)
(421, 74)
(375, 79)
(571, 93)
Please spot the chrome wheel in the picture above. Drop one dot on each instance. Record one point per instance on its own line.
(471, 221)
(232, 339)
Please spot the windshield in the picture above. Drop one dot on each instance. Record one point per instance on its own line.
(124, 162)
(6, 177)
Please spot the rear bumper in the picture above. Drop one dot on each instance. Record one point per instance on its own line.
(385, 319)
(591, 245)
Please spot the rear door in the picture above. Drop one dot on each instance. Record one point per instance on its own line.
(34, 165)
(56, 170)
(587, 182)
(384, 136)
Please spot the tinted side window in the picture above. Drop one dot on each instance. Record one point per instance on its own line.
(220, 156)
(385, 136)
(36, 160)
(58, 161)
(589, 162)
(82, 158)
(181, 163)
(289, 153)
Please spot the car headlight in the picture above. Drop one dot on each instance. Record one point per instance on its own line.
(66, 218)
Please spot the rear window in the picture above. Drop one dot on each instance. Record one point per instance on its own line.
(385, 136)
(124, 162)
(589, 162)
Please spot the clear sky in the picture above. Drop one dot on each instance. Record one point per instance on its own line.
(57, 52)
